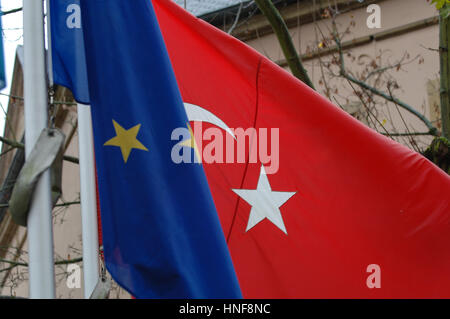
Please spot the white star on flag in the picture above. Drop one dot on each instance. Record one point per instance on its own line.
(265, 202)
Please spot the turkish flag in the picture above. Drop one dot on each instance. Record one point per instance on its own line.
(343, 213)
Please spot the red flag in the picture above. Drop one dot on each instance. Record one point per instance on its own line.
(348, 212)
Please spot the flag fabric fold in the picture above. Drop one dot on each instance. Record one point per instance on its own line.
(161, 233)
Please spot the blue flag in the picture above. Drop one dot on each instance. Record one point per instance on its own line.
(161, 233)
(68, 54)
(2, 63)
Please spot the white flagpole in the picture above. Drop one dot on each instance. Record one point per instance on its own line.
(88, 191)
(88, 200)
(40, 230)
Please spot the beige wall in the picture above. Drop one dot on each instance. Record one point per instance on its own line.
(412, 78)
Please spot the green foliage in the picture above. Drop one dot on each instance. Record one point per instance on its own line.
(443, 6)
(439, 153)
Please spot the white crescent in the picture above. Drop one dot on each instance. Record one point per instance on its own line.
(199, 114)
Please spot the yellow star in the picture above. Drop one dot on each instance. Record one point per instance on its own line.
(191, 143)
(126, 140)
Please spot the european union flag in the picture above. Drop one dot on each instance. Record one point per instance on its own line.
(161, 233)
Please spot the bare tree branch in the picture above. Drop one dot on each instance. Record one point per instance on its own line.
(15, 144)
(57, 205)
(21, 98)
(3, 13)
(432, 129)
(282, 33)
(23, 264)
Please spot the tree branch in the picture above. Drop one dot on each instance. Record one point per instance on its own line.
(15, 144)
(3, 13)
(408, 134)
(444, 40)
(23, 264)
(279, 27)
(20, 98)
(57, 205)
(432, 129)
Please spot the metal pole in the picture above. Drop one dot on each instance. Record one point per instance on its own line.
(40, 231)
(88, 200)
(49, 45)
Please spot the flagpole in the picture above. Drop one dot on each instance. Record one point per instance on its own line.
(88, 200)
(40, 230)
(88, 191)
